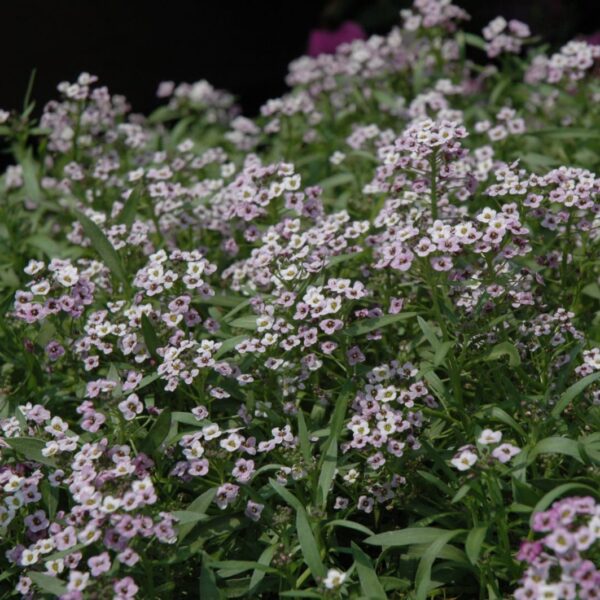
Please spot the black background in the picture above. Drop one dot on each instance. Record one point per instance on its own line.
(242, 46)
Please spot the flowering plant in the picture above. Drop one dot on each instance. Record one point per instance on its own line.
(348, 348)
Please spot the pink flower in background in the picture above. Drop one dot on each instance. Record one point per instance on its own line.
(325, 41)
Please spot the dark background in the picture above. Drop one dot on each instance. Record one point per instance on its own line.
(242, 46)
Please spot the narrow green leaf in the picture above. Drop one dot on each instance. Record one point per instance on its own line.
(328, 462)
(225, 301)
(265, 560)
(367, 325)
(30, 177)
(200, 506)
(48, 583)
(556, 445)
(559, 491)
(429, 333)
(474, 542)
(327, 472)
(148, 380)
(497, 414)
(49, 498)
(505, 349)
(474, 40)
(423, 583)
(574, 391)
(405, 537)
(441, 353)
(308, 543)
(127, 214)
(158, 433)
(208, 582)
(103, 247)
(336, 180)
(247, 322)
(369, 582)
(303, 437)
(349, 525)
(566, 133)
(150, 336)
(31, 449)
(187, 516)
(230, 344)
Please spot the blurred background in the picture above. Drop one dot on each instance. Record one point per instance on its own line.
(242, 46)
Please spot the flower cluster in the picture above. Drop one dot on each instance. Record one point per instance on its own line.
(470, 455)
(563, 563)
(502, 36)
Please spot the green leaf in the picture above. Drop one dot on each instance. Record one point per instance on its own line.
(150, 336)
(31, 449)
(308, 543)
(423, 583)
(590, 447)
(574, 391)
(158, 433)
(247, 322)
(592, 290)
(336, 180)
(406, 537)
(103, 247)
(559, 491)
(556, 445)
(148, 380)
(264, 559)
(474, 542)
(208, 582)
(441, 353)
(349, 525)
(230, 568)
(367, 325)
(50, 247)
(497, 414)
(227, 301)
(49, 498)
(566, 133)
(327, 472)
(328, 461)
(474, 40)
(187, 516)
(200, 506)
(535, 161)
(303, 437)
(429, 333)
(230, 344)
(505, 349)
(30, 177)
(369, 582)
(48, 583)
(127, 214)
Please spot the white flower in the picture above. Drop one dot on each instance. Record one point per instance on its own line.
(33, 267)
(77, 581)
(110, 504)
(334, 579)
(68, 276)
(488, 436)
(505, 452)
(29, 557)
(464, 461)
(54, 567)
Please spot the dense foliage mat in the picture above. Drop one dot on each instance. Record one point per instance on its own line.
(347, 349)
